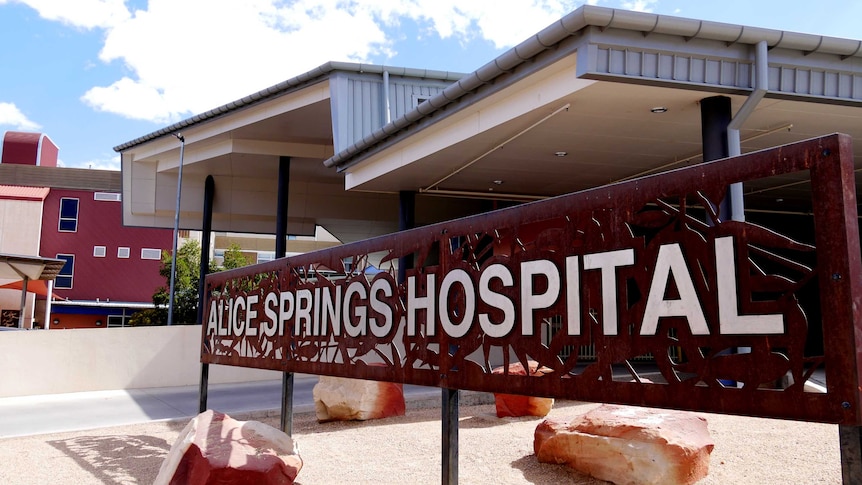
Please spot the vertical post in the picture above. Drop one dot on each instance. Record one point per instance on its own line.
(206, 236)
(450, 437)
(48, 299)
(286, 421)
(23, 301)
(176, 232)
(851, 451)
(715, 116)
(406, 220)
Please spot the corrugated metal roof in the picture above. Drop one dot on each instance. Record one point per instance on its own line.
(14, 266)
(23, 193)
(62, 177)
(314, 76)
(570, 25)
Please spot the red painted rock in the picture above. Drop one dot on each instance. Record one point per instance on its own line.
(343, 399)
(515, 405)
(215, 448)
(629, 445)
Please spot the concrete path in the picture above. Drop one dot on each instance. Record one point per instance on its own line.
(23, 416)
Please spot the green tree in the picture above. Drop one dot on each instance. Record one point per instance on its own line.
(185, 289)
(233, 257)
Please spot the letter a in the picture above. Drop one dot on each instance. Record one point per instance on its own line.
(671, 262)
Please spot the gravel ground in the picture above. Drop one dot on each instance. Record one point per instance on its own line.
(407, 449)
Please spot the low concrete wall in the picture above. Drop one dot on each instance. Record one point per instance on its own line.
(59, 361)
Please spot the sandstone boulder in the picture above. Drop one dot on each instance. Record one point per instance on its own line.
(629, 445)
(214, 448)
(343, 399)
(516, 405)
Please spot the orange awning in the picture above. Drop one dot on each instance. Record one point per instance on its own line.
(40, 287)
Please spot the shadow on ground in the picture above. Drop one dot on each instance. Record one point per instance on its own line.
(117, 459)
(560, 473)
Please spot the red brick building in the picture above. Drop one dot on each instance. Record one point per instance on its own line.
(111, 270)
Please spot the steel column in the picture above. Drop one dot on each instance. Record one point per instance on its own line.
(23, 302)
(450, 436)
(171, 291)
(206, 237)
(715, 116)
(406, 220)
(850, 441)
(286, 421)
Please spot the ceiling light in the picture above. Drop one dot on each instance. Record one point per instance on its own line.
(560, 154)
(658, 109)
(498, 182)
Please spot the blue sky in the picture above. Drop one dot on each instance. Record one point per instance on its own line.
(93, 74)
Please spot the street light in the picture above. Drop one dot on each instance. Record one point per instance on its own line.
(176, 231)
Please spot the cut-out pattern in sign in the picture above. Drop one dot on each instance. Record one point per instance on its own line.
(641, 293)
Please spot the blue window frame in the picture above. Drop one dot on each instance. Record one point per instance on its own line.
(68, 215)
(63, 281)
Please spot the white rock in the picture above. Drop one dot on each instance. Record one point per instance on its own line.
(343, 399)
(215, 448)
(629, 445)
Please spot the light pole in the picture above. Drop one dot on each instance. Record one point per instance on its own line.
(176, 232)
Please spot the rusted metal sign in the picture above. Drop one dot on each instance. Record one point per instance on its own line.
(675, 306)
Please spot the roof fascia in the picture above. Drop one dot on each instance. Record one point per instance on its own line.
(708, 65)
(217, 130)
(316, 75)
(573, 24)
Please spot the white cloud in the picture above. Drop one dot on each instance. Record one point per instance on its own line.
(640, 5)
(10, 115)
(110, 162)
(186, 57)
(86, 14)
(503, 23)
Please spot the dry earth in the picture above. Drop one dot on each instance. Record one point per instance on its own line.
(407, 450)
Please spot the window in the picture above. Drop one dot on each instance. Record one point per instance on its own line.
(123, 253)
(64, 277)
(68, 215)
(265, 256)
(99, 251)
(107, 196)
(118, 320)
(420, 98)
(149, 253)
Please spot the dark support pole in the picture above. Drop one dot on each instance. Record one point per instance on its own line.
(280, 252)
(715, 116)
(449, 408)
(450, 437)
(206, 230)
(406, 220)
(851, 454)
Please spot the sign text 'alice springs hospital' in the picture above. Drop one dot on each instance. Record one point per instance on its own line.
(642, 270)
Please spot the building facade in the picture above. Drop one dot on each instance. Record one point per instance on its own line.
(111, 270)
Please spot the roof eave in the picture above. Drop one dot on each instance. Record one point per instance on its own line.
(573, 23)
(314, 76)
